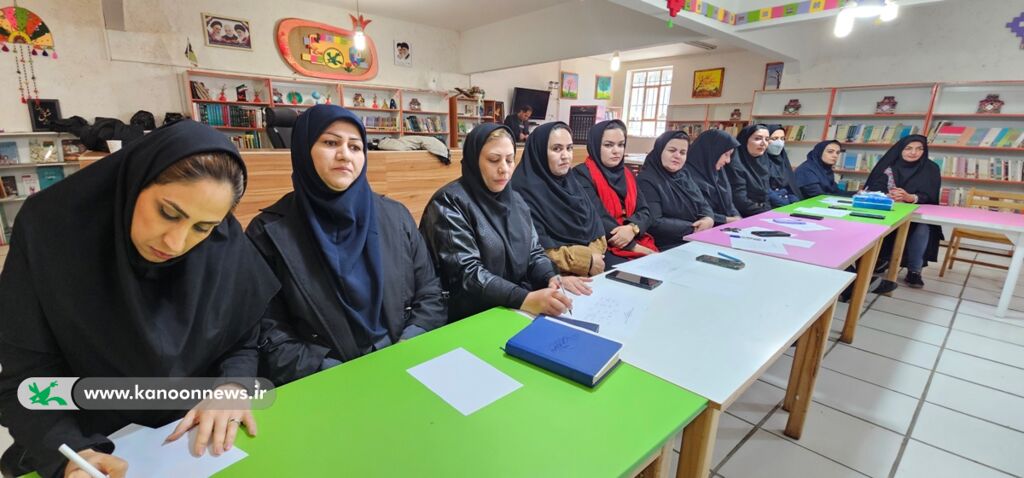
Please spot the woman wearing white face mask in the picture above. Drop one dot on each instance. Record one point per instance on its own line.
(748, 171)
(782, 183)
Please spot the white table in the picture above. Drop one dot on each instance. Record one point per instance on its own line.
(1012, 225)
(714, 331)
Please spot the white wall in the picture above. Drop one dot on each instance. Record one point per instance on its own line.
(142, 70)
(499, 84)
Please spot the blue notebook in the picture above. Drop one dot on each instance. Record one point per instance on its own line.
(573, 353)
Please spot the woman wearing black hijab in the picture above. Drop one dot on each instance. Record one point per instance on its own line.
(782, 186)
(355, 274)
(613, 190)
(567, 224)
(677, 207)
(748, 171)
(159, 281)
(908, 175)
(708, 155)
(815, 176)
(482, 240)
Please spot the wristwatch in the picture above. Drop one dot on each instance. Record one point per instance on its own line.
(636, 229)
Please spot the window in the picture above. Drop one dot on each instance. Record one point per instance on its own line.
(647, 101)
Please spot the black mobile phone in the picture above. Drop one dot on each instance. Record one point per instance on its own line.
(634, 279)
(869, 216)
(771, 234)
(845, 201)
(721, 262)
(806, 216)
(839, 207)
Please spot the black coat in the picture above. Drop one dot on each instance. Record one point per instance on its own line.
(749, 176)
(294, 337)
(471, 257)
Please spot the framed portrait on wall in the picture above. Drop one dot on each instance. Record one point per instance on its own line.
(226, 32)
(403, 53)
(570, 85)
(43, 113)
(772, 76)
(708, 83)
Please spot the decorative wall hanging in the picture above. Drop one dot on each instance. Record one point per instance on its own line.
(570, 85)
(1016, 27)
(772, 76)
(324, 51)
(708, 83)
(603, 88)
(25, 35)
(227, 32)
(887, 106)
(43, 113)
(735, 115)
(714, 12)
(792, 108)
(991, 105)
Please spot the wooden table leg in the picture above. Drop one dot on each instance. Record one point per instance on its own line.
(699, 444)
(1011, 275)
(865, 268)
(812, 347)
(661, 466)
(897, 251)
(799, 357)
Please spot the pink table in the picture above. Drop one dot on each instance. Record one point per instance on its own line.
(837, 248)
(1012, 225)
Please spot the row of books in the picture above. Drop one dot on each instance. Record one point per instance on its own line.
(30, 183)
(732, 128)
(381, 122)
(200, 91)
(41, 151)
(1001, 169)
(859, 161)
(866, 133)
(5, 229)
(947, 133)
(425, 124)
(228, 115)
(247, 140)
(793, 132)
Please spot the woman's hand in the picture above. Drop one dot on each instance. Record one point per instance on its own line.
(546, 301)
(703, 224)
(576, 285)
(109, 465)
(217, 426)
(621, 236)
(644, 250)
(596, 264)
(898, 194)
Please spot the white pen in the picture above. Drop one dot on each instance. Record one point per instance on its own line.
(559, 280)
(84, 465)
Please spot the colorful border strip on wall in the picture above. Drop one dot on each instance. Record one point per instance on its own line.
(700, 7)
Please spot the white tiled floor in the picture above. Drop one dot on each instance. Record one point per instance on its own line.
(933, 386)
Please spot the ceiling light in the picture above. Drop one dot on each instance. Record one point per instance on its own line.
(885, 10)
(616, 62)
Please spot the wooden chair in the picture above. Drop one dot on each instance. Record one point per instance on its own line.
(993, 200)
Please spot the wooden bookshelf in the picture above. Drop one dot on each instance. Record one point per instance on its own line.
(37, 165)
(366, 108)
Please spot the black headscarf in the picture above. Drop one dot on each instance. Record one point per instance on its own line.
(497, 207)
(921, 176)
(678, 185)
(615, 174)
(112, 312)
(758, 166)
(778, 164)
(700, 164)
(563, 214)
(344, 224)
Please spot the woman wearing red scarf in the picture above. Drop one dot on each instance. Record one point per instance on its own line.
(613, 189)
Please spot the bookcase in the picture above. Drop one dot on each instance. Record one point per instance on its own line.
(238, 113)
(31, 162)
(467, 114)
(972, 149)
(693, 119)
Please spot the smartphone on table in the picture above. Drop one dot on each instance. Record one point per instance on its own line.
(634, 279)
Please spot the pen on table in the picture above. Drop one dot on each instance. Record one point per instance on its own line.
(731, 258)
(737, 236)
(84, 465)
(558, 279)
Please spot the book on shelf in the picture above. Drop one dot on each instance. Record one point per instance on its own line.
(859, 161)
(950, 134)
(248, 140)
(1000, 169)
(29, 184)
(10, 185)
(867, 133)
(950, 196)
(43, 151)
(72, 149)
(9, 152)
(49, 175)
(380, 122)
(199, 90)
(228, 115)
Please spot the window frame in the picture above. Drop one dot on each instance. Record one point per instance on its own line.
(653, 119)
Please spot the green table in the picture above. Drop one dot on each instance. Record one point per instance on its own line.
(369, 417)
(898, 221)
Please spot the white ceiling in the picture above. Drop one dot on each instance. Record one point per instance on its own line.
(665, 51)
(458, 15)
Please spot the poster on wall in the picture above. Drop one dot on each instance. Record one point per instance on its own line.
(708, 83)
(227, 32)
(570, 85)
(603, 88)
(325, 51)
(403, 54)
(772, 76)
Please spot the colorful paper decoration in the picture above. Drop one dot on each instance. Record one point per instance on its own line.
(324, 51)
(26, 35)
(700, 7)
(1016, 26)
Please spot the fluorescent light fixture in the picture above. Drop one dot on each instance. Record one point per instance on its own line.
(886, 11)
(616, 62)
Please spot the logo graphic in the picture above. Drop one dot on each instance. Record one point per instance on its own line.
(42, 397)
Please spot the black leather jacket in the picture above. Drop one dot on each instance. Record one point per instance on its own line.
(470, 256)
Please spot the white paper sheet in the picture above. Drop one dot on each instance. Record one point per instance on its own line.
(682, 268)
(463, 380)
(788, 241)
(823, 211)
(798, 224)
(611, 310)
(148, 457)
(837, 201)
(757, 245)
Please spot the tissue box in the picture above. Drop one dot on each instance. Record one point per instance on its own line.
(873, 200)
